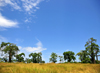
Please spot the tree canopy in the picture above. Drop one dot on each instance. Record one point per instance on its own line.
(9, 48)
(69, 55)
(20, 58)
(53, 57)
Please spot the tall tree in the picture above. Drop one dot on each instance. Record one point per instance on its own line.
(91, 46)
(53, 57)
(20, 58)
(9, 48)
(69, 55)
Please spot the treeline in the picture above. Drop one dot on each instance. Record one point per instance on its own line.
(10, 50)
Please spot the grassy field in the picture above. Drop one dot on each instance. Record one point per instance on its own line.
(49, 68)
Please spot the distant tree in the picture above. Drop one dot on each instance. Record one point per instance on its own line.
(80, 54)
(42, 61)
(91, 47)
(28, 60)
(84, 56)
(69, 55)
(61, 58)
(19, 57)
(9, 48)
(39, 57)
(53, 57)
(36, 57)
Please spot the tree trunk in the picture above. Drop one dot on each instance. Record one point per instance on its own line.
(92, 56)
(10, 55)
(96, 57)
(9, 58)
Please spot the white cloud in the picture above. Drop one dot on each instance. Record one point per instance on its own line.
(4, 22)
(10, 2)
(31, 4)
(3, 39)
(39, 48)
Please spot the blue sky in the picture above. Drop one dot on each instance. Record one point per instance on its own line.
(49, 25)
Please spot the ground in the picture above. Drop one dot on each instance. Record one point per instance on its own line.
(49, 68)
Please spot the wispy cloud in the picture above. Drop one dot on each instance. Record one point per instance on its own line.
(27, 20)
(31, 5)
(38, 48)
(10, 2)
(6, 23)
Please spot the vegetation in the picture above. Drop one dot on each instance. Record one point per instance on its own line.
(92, 48)
(53, 57)
(69, 55)
(61, 58)
(10, 50)
(19, 57)
(36, 57)
(49, 68)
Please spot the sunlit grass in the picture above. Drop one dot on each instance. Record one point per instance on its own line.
(49, 68)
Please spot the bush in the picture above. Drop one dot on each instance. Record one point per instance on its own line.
(97, 62)
(87, 60)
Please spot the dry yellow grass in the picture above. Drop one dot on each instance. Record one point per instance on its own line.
(49, 68)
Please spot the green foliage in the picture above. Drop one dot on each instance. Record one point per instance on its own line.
(69, 55)
(97, 62)
(28, 60)
(9, 48)
(84, 56)
(92, 49)
(42, 61)
(36, 57)
(60, 58)
(86, 60)
(20, 58)
(53, 57)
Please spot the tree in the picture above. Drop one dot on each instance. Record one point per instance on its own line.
(69, 55)
(9, 48)
(80, 54)
(53, 57)
(91, 47)
(36, 57)
(28, 60)
(61, 58)
(20, 58)
(39, 58)
(42, 61)
(84, 56)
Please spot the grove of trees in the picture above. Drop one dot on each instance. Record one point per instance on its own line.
(9, 51)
